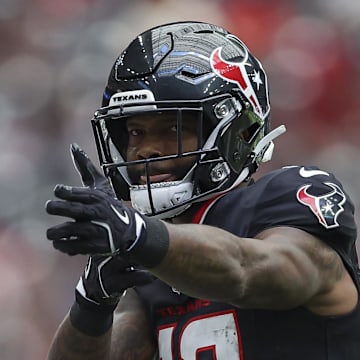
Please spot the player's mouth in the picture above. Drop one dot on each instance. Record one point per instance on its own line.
(157, 178)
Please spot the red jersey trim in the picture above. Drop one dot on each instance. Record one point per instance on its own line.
(200, 215)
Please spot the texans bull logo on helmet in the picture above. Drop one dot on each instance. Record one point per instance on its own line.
(236, 72)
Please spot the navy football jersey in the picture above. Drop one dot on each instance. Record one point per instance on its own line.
(198, 329)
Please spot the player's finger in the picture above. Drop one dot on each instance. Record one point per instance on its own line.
(76, 230)
(70, 247)
(73, 193)
(78, 246)
(74, 210)
(90, 175)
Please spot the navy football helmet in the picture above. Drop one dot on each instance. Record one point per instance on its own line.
(186, 70)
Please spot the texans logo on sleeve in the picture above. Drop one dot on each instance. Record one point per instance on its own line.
(326, 207)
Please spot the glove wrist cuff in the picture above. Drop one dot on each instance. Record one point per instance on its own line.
(153, 245)
(92, 323)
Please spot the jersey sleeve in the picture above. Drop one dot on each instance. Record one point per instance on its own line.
(307, 198)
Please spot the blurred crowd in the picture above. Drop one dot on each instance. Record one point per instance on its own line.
(54, 62)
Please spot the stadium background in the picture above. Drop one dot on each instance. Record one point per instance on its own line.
(54, 60)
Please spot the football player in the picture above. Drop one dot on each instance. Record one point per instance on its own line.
(189, 257)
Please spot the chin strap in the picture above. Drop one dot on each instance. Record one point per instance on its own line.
(164, 196)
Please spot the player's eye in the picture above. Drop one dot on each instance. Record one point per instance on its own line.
(135, 132)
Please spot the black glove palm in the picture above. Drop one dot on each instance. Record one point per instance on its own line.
(103, 225)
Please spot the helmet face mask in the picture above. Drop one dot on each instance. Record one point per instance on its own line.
(192, 76)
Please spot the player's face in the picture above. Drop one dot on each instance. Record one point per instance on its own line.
(156, 135)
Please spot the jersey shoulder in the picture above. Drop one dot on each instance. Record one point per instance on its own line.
(305, 197)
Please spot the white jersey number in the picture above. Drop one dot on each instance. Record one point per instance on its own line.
(218, 333)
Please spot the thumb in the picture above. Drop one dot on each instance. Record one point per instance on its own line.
(89, 174)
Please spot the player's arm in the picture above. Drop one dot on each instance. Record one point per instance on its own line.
(69, 343)
(129, 338)
(280, 269)
(131, 335)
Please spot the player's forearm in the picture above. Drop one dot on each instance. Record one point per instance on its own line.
(71, 344)
(202, 261)
(207, 262)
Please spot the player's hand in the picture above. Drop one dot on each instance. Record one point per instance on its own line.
(101, 223)
(105, 279)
